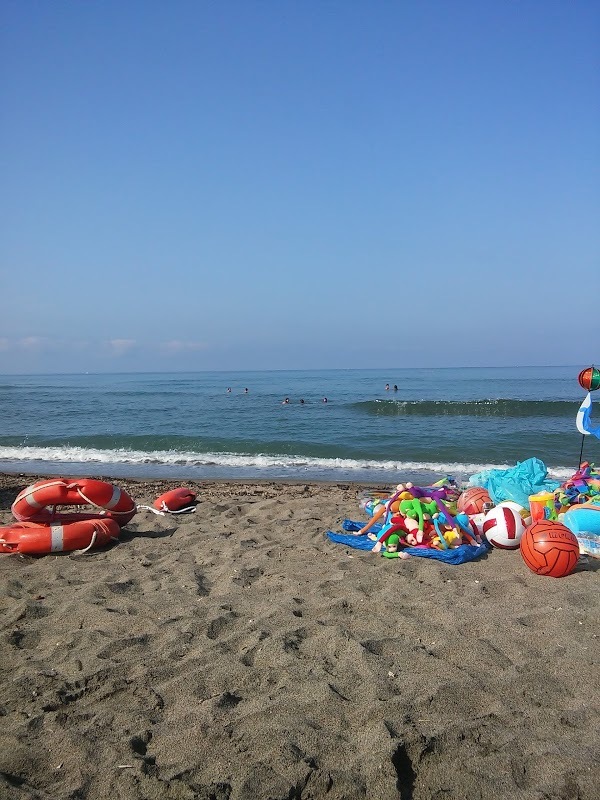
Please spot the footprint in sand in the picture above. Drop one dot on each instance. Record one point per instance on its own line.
(246, 577)
(216, 626)
(114, 648)
(293, 640)
(122, 587)
(202, 584)
(23, 640)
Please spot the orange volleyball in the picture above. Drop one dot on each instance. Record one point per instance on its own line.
(472, 500)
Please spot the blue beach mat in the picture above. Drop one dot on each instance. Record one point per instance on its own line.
(457, 555)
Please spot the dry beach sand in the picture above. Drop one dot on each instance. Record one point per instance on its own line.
(237, 654)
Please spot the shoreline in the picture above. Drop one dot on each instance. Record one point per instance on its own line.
(236, 653)
(15, 482)
(120, 471)
(6, 477)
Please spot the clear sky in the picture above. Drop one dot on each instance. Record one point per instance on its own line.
(298, 184)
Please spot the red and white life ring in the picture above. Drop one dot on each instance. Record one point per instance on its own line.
(34, 539)
(38, 502)
(176, 500)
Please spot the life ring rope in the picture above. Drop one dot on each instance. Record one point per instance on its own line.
(153, 510)
(95, 505)
(26, 494)
(188, 510)
(164, 509)
(28, 507)
(91, 544)
(40, 501)
(78, 538)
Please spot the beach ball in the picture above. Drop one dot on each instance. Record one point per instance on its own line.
(525, 513)
(472, 500)
(475, 522)
(589, 379)
(503, 527)
(549, 548)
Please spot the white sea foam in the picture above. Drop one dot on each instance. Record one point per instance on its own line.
(259, 463)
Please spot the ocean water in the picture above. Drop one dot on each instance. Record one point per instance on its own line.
(186, 425)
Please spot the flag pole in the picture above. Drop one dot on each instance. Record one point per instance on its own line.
(581, 451)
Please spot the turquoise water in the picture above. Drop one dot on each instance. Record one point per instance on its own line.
(186, 425)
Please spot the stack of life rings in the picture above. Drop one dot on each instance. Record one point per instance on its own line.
(41, 529)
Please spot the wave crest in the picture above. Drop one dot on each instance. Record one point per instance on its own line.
(468, 408)
(292, 464)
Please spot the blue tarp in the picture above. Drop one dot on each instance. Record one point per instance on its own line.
(517, 483)
(458, 555)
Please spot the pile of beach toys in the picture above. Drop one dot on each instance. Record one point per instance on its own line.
(551, 524)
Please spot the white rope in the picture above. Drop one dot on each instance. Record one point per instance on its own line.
(91, 544)
(166, 510)
(153, 510)
(104, 510)
(187, 510)
(89, 547)
(33, 489)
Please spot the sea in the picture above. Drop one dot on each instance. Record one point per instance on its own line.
(429, 424)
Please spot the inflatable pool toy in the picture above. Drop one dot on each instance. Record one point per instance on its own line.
(584, 518)
(582, 487)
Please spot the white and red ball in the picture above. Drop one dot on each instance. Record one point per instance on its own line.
(476, 524)
(524, 512)
(503, 527)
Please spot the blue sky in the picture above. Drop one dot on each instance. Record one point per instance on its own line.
(269, 185)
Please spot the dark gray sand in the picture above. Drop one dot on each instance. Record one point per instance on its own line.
(237, 654)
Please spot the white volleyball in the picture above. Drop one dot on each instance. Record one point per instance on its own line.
(503, 527)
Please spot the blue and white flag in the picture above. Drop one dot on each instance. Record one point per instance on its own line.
(584, 418)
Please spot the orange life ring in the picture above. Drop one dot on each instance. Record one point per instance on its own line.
(175, 500)
(38, 540)
(32, 504)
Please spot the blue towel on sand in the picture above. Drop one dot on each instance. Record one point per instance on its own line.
(458, 555)
(350, 525)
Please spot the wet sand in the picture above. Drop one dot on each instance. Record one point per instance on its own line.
(237, 654)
